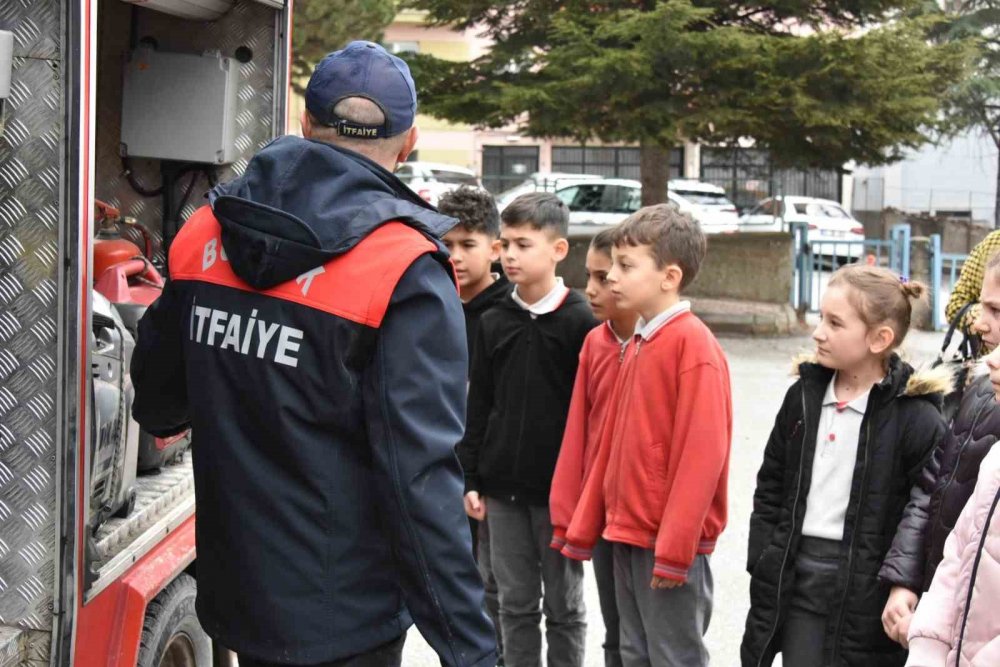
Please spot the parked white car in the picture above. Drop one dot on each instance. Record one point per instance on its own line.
(539, 182)
(608, 201)
(832, 232)
(430, 180)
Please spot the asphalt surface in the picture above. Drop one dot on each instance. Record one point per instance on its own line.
(760, 370)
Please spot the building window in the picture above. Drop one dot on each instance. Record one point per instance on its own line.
(748, 176)
(402, 47)
(608, 161)
(505, 167)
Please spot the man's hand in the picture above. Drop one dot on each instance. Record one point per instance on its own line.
(900, 633)
(475, 506)
(663, 582)
(902, 602)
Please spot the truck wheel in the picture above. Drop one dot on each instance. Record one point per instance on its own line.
(171, 634)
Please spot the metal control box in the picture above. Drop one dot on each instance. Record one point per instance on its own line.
(179, 106)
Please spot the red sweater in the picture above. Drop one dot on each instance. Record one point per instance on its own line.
(659, 480)
(600, 359)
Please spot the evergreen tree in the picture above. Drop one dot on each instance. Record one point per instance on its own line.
(322, 26)
(815, 83)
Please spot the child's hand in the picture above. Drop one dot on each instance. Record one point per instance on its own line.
(663, 582)
(902, 602)
(475, 506)
(902, 630)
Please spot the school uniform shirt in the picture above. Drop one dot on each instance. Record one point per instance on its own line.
(659, 481)
(600, 360)
(547, 304)
(523, 369)
(833, 466)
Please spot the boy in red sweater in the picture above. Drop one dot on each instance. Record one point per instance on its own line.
(600, 359)
(658, 486)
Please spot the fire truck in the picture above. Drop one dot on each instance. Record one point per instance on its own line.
(116, 116)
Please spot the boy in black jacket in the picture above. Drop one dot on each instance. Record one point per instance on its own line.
(523, 368)
(474, 244)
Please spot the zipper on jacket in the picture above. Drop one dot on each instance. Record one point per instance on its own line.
(968, 438)
(975, 571)
(788, 547)
(854, 535)
(619, 419)
(524, 407)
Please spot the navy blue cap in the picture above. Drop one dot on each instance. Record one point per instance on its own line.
(363, 69)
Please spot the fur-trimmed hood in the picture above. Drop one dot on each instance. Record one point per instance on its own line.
(931, 383)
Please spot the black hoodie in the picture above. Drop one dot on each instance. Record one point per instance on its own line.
(312, 336)
(479, 304)
(523, 369)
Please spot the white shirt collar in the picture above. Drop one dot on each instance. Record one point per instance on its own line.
(621, 341)
(859, 404)
(647, 329)
(547, 303)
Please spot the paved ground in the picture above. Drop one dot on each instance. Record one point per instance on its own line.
(760, 374)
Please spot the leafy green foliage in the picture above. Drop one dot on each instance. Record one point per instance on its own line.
(322, 26)
(817, 83)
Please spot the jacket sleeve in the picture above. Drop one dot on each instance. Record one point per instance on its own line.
(158, 369)
(588, 517)
(480, 404)
(702, 431)
(415, 402)
(905, 561)
(770, 491)
(932, 629)
(567, 481)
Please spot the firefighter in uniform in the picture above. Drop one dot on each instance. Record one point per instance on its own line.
(312, 336)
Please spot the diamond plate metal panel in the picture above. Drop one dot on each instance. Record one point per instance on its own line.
(35, 24)
(246, 24)
(29, 219)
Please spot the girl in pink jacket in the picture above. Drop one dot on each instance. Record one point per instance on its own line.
(957, 623)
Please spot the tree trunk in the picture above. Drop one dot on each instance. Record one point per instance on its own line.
(654, 171)
(996, 197)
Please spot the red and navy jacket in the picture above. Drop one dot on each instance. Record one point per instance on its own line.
(312, 336)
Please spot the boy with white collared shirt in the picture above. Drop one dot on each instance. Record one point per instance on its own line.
(523, 368)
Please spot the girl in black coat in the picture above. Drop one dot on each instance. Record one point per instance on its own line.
(835, 564)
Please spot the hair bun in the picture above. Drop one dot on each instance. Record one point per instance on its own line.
(912, 289)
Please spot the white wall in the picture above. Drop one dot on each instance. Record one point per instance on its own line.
(956, 176)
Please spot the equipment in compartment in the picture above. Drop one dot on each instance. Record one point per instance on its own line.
(114, 434)
(198, 10)
(179, 106)
(127, 278)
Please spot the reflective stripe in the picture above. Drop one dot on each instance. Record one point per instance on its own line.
(356, 285)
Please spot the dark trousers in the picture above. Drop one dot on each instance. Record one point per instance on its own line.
(387, 655)
(664, 627)
(804, 629)
(604, 573)
(484, 557)
(529, 572)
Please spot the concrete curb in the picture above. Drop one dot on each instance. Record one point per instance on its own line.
(748, 318)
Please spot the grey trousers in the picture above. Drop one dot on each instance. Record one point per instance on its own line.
(804, 629)
(529, 572)
(489, 581)
(662, 627)
(604, 573)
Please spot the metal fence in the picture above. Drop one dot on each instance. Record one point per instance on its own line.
(946, 267)
(815, 261)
